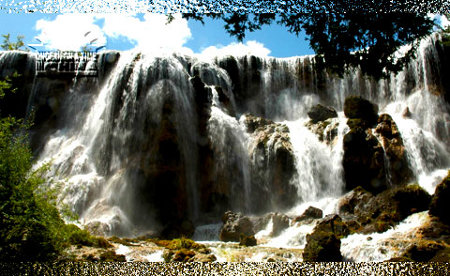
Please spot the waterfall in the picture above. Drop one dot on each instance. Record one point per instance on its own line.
(156, 142)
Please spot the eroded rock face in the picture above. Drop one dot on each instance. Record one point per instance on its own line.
(389, 135)
(440, 203)
(273, 164)
(235, 224)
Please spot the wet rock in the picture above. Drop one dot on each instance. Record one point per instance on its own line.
(235, 224)
(225, 100)
(440, 203)
(309, 214)
(353, 200)
(254, 123)
(424, 251)
(363, 161)
(322, 246)
(406, 113)
(111, 256)
(272, 166)
(203, 100)
(359, 108)
(434, 229)
(204, 258)
(280, 223)
(334, 224)
(379, 213)
(326, 131)
(245, 240)
(98, 228)
(387, 131)
(320, 113)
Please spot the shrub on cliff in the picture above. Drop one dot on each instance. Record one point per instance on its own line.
(31, 225)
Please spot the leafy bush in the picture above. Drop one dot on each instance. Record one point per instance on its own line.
(31, 224)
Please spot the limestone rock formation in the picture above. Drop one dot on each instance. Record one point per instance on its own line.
(387, 131)
(273, 164)
(440, 203)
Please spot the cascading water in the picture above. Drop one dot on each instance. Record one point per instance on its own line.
(160, 142)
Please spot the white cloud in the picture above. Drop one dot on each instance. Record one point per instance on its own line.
(152, 33)
(68, 31)
(237, 49)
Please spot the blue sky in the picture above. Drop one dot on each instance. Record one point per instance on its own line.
(148, 32)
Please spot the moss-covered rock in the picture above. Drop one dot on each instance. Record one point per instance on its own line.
(322, 246)
(379, 213)
(111, 256)
(359, 108)
(440, 203)
(425, 251)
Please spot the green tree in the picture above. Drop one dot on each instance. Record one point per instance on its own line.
(9, 45)
(343, 34)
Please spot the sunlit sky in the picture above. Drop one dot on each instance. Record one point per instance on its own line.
(148, 32)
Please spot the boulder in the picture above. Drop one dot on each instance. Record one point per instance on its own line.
(320, 113)
(363, 161)
(245, 240)
(322, 246)
(309, 214)
(389, 135)
(353, 201)
(334, 224)
(425, 251)
(280, 223)
(359, 108)
(440, 203)
(235, 224)
(379, 213)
